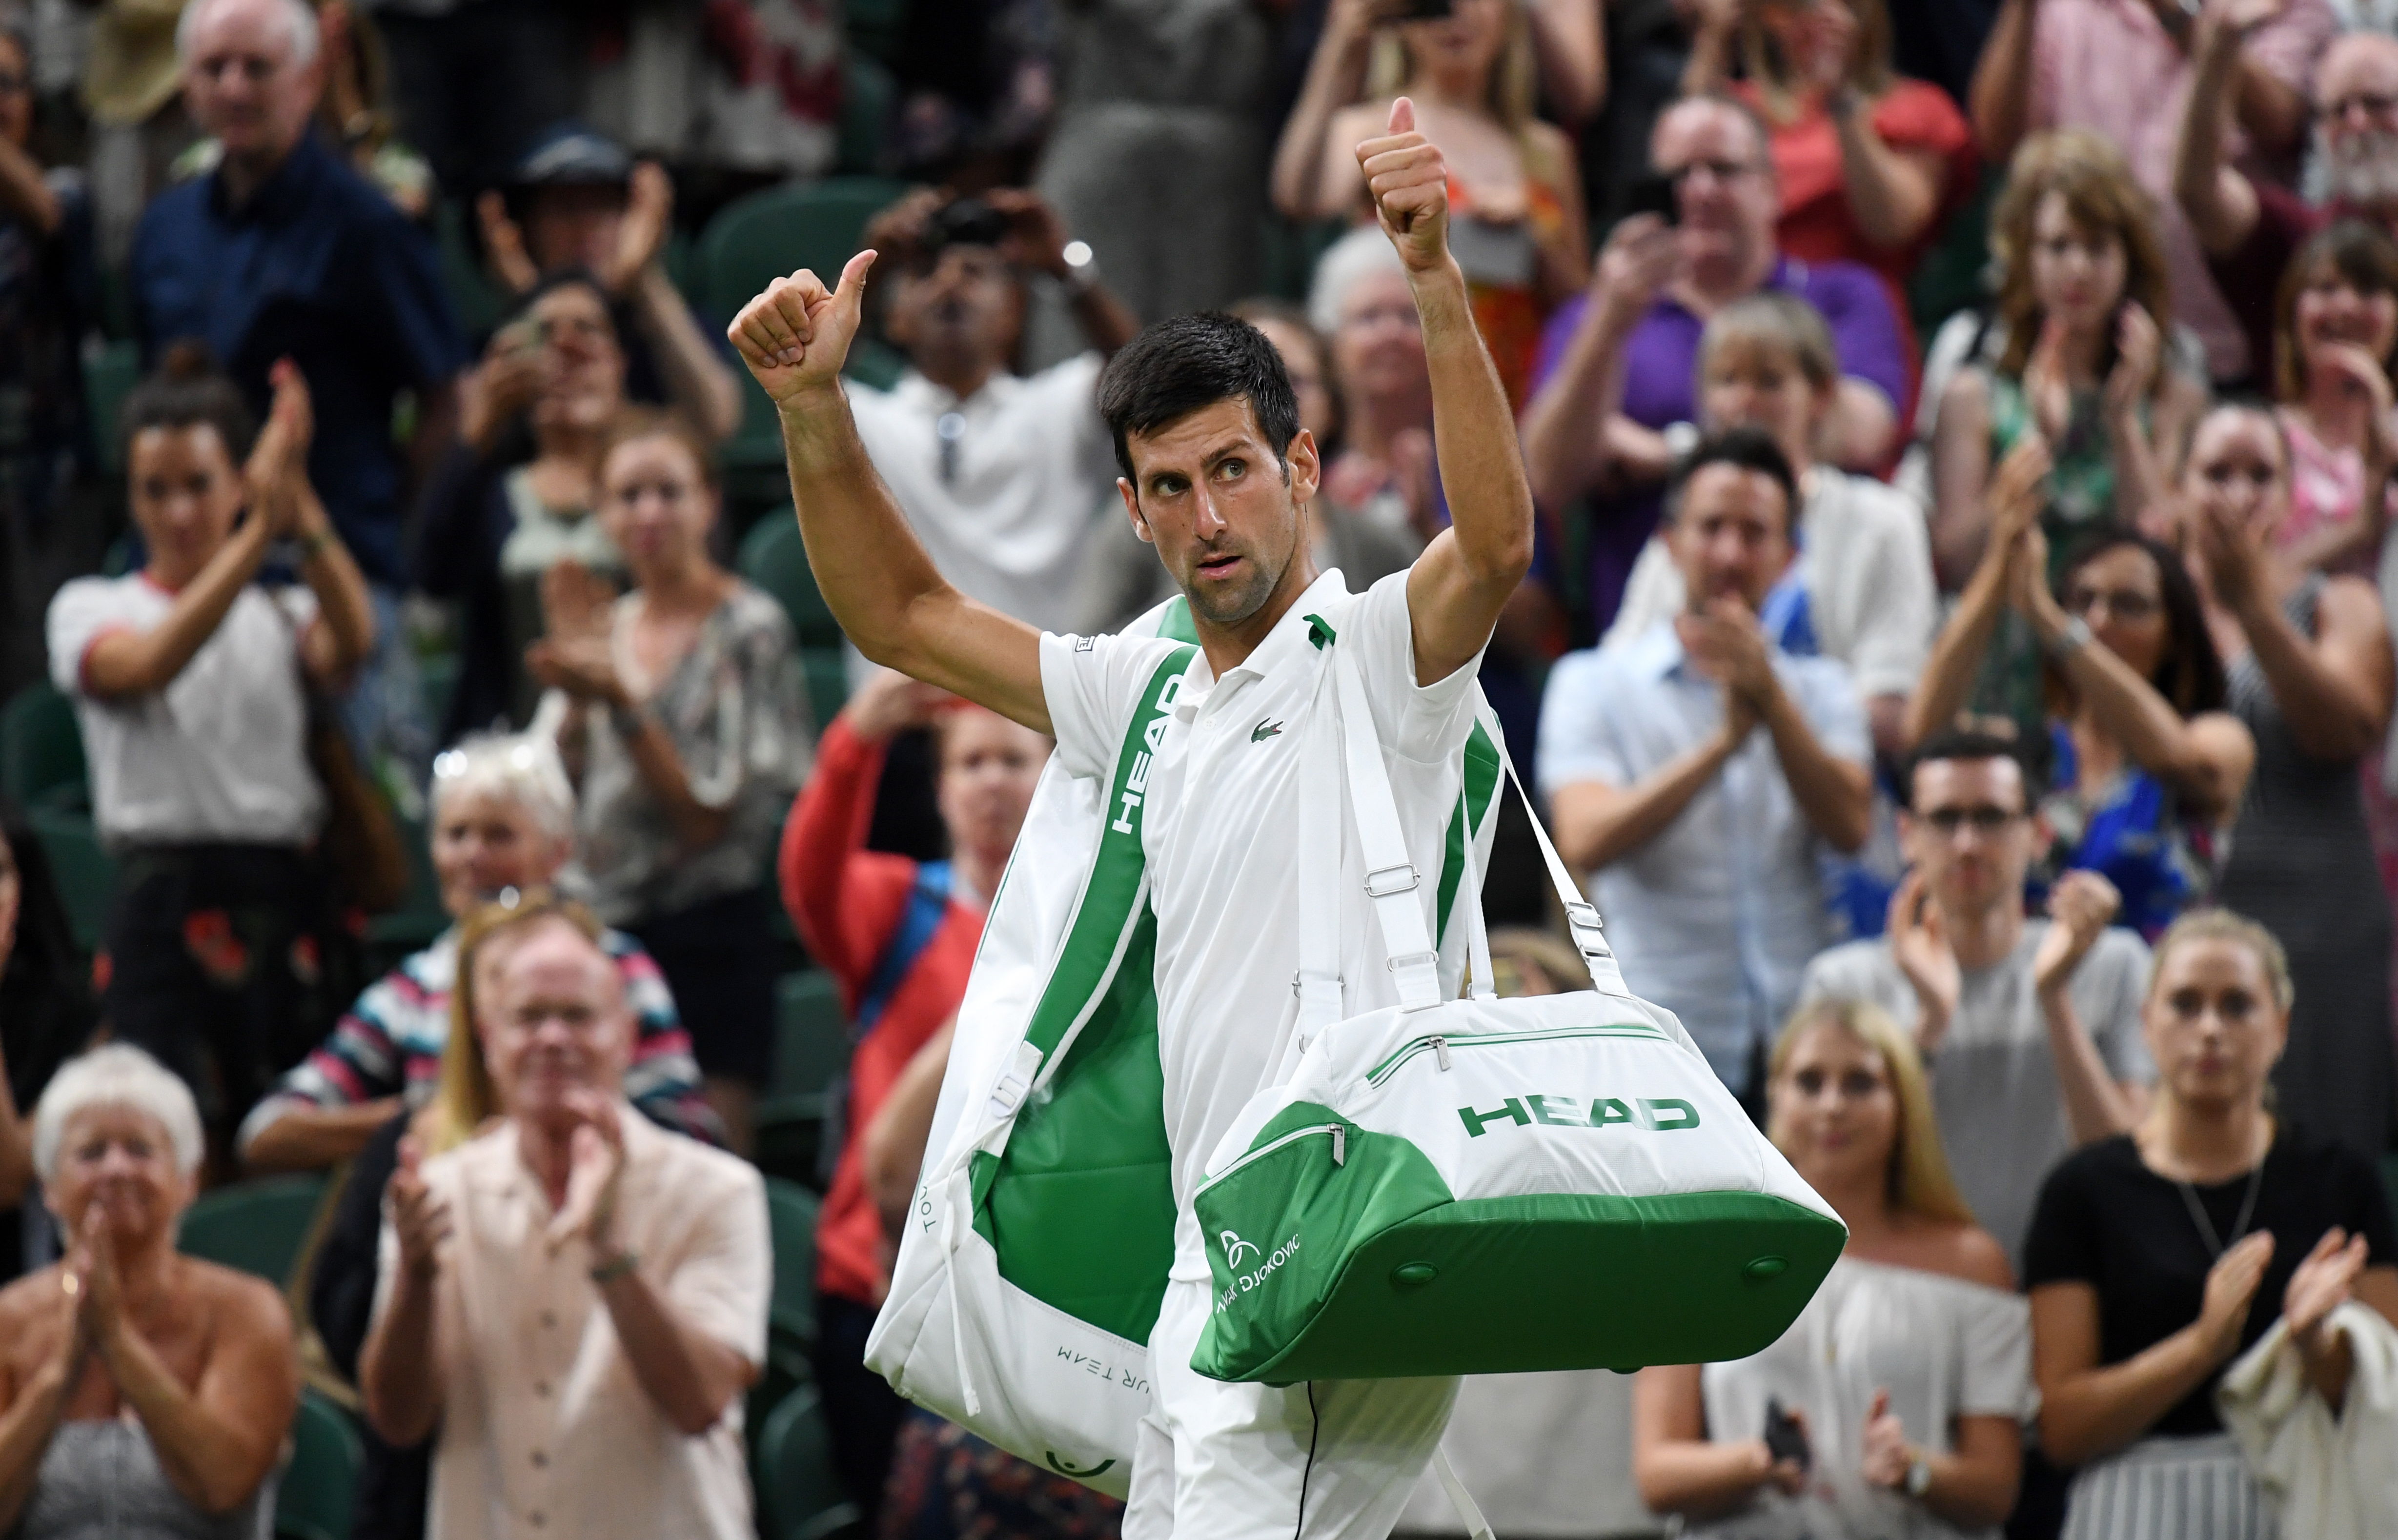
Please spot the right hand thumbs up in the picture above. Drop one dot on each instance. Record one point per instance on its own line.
(795, 336)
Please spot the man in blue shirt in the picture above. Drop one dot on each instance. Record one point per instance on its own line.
(284, 251)
(1702, 831)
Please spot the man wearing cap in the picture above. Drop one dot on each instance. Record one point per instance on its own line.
(284, 251)
(1005, 479)
(577, 200)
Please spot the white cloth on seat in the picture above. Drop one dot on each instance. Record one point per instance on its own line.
(2334, 1477)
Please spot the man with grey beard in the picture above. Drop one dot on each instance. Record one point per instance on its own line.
(2250, 228)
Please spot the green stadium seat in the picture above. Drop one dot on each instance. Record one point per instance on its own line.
(479, 302)
(874, 26)
(420, 917)
(754, 240)
(792, 1213)
(772, 556)
(870, 99)
(799, 1495)
(256, 1227)
(320, 1488)
(85, 873)
(41, 751)
(811, 1033)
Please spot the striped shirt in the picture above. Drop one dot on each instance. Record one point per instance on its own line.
(389, 1043)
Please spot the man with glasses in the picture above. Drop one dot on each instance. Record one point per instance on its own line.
(1699, 771)
(1614, 386)
(2031, 1028)
(2249, 227)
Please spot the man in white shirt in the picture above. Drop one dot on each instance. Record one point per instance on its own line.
(2031, 1028)
(1698, 770)
(1219, 477)
(1004, 479)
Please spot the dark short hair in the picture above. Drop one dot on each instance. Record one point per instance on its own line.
(1968, 743)
(2190, 674)
(188, 390)
(1181, 366)
(1750, 449)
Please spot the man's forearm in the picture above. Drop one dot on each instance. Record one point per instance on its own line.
(1474, 434)
(2000, 95)
(1565, 447)
(2095, 1107)
(1603, 825)
(1835, 794)
(2218, 202)
(1108, 323)
(868, 562)
(689, 1377)
(2273, 111)
(395, 1377)
(312, 1138)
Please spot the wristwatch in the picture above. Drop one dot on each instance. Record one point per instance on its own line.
(1918, 1477)
(1082, 269)
(2071, 640)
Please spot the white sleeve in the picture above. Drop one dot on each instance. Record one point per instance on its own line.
(1997, 1352)
(1425, 722)
(1068, 392)
(1090, 684)
(82, 612)
(1901, 611)
(721, 1282)
(1578, 738)
(1655, 593)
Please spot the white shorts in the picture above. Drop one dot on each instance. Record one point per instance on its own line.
(1328, 1460)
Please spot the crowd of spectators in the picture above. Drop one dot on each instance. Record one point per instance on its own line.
(1957, 657)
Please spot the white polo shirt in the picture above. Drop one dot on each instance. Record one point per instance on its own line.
(1006, 508)
(1222, 833)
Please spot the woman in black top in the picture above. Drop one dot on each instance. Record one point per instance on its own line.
(2156, 1257)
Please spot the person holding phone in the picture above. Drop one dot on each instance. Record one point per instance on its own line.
(1869, 162)
(1890, 1405)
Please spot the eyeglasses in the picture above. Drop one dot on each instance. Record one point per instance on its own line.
(2128, 605)
(2371, 104)
(1985, 821)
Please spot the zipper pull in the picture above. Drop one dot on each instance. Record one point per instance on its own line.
(1339, 1144)
(1440, 1051)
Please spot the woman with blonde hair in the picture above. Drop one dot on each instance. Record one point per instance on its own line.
(1890, 1405)
(2157, 1257)
(2084, 312)
(1516, 224)
(1867, 161)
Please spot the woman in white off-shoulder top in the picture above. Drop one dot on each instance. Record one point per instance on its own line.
(1908, 1373)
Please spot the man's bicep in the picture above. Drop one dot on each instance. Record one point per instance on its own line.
(1450, 613)
(973, 649)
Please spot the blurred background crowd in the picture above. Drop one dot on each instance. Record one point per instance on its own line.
(1958, 660)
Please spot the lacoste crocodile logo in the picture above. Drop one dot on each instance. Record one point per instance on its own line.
(1233, 1247)
(1265, 730)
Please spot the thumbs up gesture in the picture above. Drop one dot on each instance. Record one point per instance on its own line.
(1410, 180)
(796, 335)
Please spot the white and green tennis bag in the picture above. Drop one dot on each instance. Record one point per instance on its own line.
(1487, 1186)
(1035, 1260)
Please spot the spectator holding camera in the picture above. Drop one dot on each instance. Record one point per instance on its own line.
(2029, 1030)
(1004, 477)
(1892, 1404)
(1619, 363)
(575, 201)
(1514, 188)
(2157, 1257)
(489, 529)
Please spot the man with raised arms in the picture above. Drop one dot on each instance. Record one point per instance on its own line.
(1218, 476)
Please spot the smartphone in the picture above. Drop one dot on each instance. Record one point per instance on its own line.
(1653, 194)
(1784, 1440)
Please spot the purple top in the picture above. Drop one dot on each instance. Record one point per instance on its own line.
(1661, 387)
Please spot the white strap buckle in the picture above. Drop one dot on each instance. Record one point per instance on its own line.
(1376, 887)
(1583, 916)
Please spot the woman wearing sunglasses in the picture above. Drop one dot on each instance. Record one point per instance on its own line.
(2309, 672)
(2147, 765)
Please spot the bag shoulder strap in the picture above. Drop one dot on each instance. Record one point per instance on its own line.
(928, 900)
(1391, 880)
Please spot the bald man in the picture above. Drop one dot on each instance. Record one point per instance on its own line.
(574, 1302)
(2250, 229)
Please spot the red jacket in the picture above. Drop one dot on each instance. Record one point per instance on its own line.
(850, 905)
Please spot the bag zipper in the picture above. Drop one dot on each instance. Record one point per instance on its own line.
(1441, 1044)
(1340, 1150)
